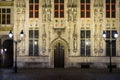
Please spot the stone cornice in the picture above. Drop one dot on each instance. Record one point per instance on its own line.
(7, 3)
(6, 28)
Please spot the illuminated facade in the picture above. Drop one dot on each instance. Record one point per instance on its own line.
(62, 33)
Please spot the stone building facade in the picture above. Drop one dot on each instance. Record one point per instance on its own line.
(62, 33)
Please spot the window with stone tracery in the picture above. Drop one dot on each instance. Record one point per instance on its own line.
(33, 8)
(110, 37)
(85, 8)
(85, 42)
(5, 16)
(58, 8)
(110, 8)
(33, 42)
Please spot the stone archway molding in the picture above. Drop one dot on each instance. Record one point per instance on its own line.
(64, 43)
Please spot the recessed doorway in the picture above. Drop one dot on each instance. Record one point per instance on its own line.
(59, 56)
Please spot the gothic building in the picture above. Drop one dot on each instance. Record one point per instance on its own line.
(60, 33)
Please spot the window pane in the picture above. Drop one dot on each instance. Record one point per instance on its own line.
(107, 7)
(107, 34)
(36, 35)
(114, 48)
(113, 32)
(30, 47)
(87, 1)
(31, 15)
(113, 14)
(61, 14)
(82, 48)
(87, 7)
(83, 43)
(82, 1)
(82, 34)
(113, 43)
(88, 50)
(56, 7)
(56, 1)
(107, 48)
(3, 10)
(36, 15)
(36, 1)
(87, 34)
(36, 7)
(113, 1)
(82, 7)
(107, 1)
(30, 33)
(61, 1)
(61, 7)
(113, 7)
(3, 19)
(8, 19)
(31, 7)
(30, 1)
(36, 48)
(56, 14)
(8, 11)
(82, 14)
(82, 52)
(88, 14)
(107, 14)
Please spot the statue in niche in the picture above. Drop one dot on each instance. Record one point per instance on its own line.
(75, 44)
(43, 15)
(49, 14)
(95, 15)
(46, 8)
(69, 15)
(44, 39)
(97, 39)
(44, 45)
(74, 14)
(75, 39)
(46, 15)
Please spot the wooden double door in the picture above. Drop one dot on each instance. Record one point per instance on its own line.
(59, 56)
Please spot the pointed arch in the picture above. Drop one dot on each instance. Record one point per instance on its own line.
(64, 43)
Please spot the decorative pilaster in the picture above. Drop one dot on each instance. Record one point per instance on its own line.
(44, 39)
(72, 10)
(20, 7)
(75, 39)
(98, 20)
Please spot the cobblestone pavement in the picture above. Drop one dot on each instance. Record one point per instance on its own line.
(59, 74)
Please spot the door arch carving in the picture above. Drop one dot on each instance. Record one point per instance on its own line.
(65, 45)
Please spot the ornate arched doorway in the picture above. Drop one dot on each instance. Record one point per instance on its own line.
(59, 53)
(59, 56)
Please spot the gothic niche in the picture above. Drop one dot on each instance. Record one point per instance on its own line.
(20, 6)
(44, 39)
(72, 10)
(75, 39)
(98, 20)
(46, 10)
